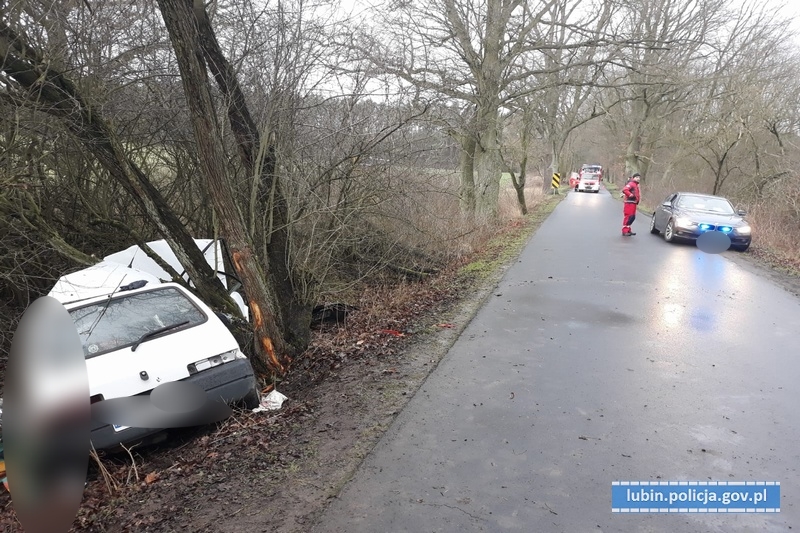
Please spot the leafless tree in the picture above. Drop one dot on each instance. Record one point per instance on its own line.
(465, 51)
(665, 46)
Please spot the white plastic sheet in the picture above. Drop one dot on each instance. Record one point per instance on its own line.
(271, 402)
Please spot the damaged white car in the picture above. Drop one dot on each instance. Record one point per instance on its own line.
(140, 331)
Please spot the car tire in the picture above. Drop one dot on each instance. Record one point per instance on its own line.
(653, 228)
(669, 231)
(252, 399)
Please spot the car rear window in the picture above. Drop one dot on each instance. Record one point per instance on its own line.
(121, 321)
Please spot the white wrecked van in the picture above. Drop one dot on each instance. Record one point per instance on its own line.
(213, 250)
(139, 332)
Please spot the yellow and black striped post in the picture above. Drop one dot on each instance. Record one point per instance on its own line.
(556, 182)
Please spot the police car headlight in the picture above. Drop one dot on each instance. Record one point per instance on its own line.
(211, 362)
(685, 222)
(743, 230)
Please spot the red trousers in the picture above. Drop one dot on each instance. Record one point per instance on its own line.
(629, 215)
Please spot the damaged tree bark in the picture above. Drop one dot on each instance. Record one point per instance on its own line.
(294, 315)
(182, 26)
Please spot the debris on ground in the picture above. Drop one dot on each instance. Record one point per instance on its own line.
(271, 402)
(335, 313)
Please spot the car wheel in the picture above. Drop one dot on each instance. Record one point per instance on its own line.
(252, 399)
(669, 232)
(653, 228)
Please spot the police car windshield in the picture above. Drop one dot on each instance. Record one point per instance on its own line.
(122, 321)
(704, 203)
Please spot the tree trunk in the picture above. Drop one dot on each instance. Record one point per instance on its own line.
(260, 164)
(632, 160)
(487, 165)
(182, 26)
(633, 152)
(467, 185)
(519, 186)
(523, 180)
(519, 182)
(487, 183)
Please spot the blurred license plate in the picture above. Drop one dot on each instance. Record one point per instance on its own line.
(120, 428)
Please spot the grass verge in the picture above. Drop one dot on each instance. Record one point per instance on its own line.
(509, 242)
(778, 260)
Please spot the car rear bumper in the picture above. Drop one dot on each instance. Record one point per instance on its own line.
(230, 382)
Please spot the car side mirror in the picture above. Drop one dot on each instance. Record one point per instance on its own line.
(741, 212)
(667, 204)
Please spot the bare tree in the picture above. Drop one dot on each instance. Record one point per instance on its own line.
(30, 79)
(731, 113)
(464, 51)
(666, 43)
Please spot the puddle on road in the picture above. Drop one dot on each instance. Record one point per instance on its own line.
(592, 315)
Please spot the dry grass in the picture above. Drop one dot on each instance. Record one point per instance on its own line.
(776, 235)
(509, 205)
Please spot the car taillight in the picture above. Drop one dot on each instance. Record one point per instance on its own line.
(205, 364)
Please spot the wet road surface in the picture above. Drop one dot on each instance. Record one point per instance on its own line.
(598, 358)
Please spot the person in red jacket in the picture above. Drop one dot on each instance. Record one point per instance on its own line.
(631, 196)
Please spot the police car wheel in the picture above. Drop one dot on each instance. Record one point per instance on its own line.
(669, 233)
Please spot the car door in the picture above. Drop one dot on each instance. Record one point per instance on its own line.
(664, 211)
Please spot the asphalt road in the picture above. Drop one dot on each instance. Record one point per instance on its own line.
(599, 358)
